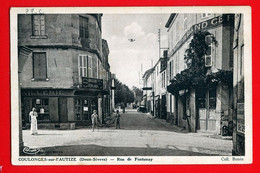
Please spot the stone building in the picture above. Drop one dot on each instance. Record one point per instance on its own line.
(203, 107)
(154, 91)
(238, 88)
(148, 91)
(67, 74)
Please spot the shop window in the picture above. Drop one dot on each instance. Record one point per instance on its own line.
(42, 108)
(83, 61)
(212, 98)
(83, 27)
(82, 109)
(39, 66)
(201, 95)
(38, 25)
(78, 107)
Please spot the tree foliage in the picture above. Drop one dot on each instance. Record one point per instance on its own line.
(138, 93)
(196, 74)
(123, 94)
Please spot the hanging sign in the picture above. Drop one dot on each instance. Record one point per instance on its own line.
(92, 83)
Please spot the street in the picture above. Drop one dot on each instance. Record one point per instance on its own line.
(140, 134)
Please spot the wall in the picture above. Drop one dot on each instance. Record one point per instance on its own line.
(59, 70)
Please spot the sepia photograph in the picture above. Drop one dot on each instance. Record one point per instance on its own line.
(131, 87)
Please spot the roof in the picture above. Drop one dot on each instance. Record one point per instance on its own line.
(148, 72)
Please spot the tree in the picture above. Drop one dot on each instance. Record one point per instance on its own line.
(196, 75)
(138, 93)
(123, 94)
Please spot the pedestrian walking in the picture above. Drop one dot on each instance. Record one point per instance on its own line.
(117, 120)
(33, 119)
(94, 118)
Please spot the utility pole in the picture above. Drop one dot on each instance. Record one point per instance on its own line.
(159, 40)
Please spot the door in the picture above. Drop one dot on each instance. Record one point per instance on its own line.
(63, 111)
(163, 107)
(176, 110)
(206, 109)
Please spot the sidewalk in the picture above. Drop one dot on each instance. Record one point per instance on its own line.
(168, 125)
(181, 130)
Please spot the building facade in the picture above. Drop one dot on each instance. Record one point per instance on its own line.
(203, 107)
(154, 88)
(67, 74)
(238, 88)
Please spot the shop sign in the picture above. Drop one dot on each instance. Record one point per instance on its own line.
(213, 22)
(240, 118)
(92, 83)
(41, 93)
(147, 88)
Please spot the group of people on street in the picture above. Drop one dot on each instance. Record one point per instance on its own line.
(94, 119)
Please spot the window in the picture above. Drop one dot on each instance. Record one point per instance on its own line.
(90, 74)
(162, 80)
(177, 63)
(83, 27)
(38, 25)
(170, 70)
(42, 108)
(39, 66)
(201, 96)
(208, 57)
(204, 15)
(94, 67)
(212, 98)
(83, 64)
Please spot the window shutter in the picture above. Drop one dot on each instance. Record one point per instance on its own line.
(39, 66)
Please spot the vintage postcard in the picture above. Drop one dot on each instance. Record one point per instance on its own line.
(131, 85)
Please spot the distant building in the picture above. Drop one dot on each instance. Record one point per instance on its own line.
(206, 108)
(67, 76)
(148, 90)
(154, 88)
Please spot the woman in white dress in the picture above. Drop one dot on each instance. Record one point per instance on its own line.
(33, 118)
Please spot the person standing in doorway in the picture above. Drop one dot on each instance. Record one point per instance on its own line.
(33, 119)
(94, 119)
(117, 119)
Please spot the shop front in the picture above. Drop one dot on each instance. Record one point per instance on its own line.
(54, 107)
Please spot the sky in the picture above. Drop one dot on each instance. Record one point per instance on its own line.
(126, 58)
